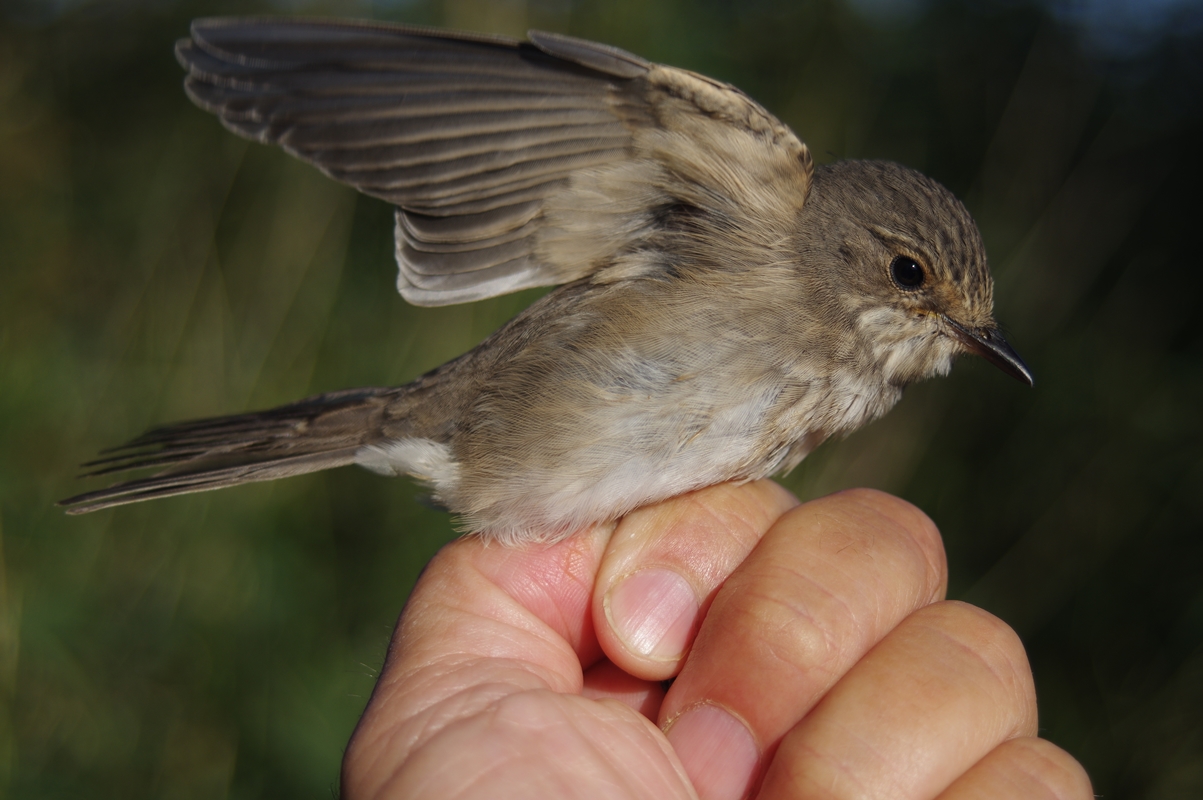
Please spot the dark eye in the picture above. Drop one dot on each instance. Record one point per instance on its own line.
(907, 272)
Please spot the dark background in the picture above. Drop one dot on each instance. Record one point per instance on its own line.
(154, 267)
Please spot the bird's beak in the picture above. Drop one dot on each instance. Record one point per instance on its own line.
(990, 345)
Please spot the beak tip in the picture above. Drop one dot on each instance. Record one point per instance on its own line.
(1003, 356)
(1013, 366)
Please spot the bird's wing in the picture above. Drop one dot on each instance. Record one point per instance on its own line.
(513, 164)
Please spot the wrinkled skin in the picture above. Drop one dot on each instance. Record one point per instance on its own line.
(813, 655)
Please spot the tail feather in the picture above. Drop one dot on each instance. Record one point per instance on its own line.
(317, 433)
(166, 484)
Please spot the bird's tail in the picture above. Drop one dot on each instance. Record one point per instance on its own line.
(312, 434)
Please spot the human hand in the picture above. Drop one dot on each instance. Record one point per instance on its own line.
(812, 655)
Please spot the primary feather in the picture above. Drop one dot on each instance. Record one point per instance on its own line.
(494, 150)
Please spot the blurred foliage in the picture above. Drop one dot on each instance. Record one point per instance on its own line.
(155, 267)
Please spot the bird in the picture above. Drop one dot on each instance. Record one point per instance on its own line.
(722, 305)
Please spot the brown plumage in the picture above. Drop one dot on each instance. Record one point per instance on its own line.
(725, 306)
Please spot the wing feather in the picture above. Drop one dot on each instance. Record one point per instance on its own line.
(513, 164)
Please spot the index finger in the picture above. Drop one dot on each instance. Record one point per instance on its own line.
(826, 583)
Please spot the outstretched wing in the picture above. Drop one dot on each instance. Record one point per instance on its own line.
(513, 164)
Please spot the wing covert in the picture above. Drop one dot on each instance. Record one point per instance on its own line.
(513, 164)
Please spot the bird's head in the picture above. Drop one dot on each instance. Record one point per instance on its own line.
(906, 265)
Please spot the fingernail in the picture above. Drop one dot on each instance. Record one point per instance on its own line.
(653, 611)
(718, 752)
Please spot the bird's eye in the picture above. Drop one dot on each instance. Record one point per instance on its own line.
(907, 272)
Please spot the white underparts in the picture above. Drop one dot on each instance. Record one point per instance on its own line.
(426, 460)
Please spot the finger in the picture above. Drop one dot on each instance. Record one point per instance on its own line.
(484, 622)
(664, 564)
(828, 581)
(1023, 769)
(942, 690)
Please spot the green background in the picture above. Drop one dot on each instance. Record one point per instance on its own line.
(154, 267)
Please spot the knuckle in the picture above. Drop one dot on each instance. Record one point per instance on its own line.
(892, 519)
(788, 627)
(991, 652)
